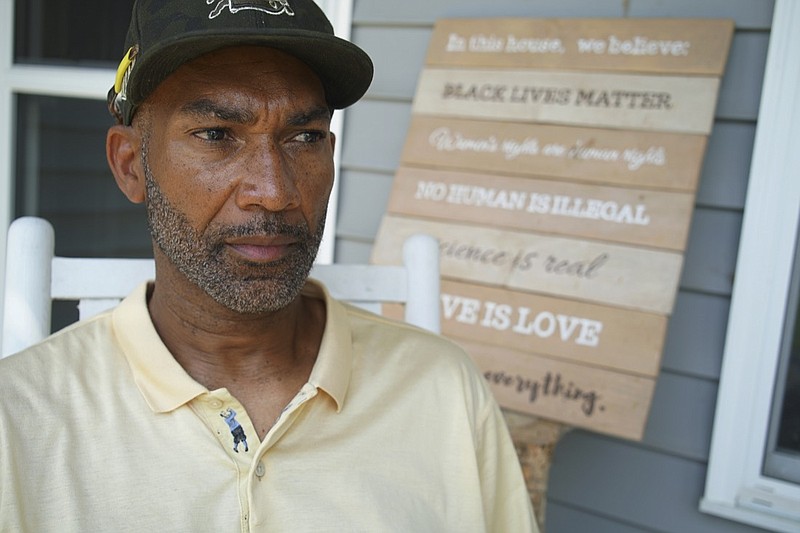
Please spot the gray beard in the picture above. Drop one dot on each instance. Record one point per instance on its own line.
(239, 285)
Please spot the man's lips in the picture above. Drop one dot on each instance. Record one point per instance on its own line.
(262, 249)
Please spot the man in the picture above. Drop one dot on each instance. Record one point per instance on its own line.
(354, 423)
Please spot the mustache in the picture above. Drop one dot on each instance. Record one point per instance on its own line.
(269, 224)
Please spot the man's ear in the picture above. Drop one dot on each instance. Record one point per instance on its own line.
(123, 145)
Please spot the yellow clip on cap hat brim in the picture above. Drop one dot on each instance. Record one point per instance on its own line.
(123, 68)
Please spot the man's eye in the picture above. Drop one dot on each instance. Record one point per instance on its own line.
(310, 136)
(212, 134)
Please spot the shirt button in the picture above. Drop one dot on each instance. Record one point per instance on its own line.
(260, 469)
(215, 403)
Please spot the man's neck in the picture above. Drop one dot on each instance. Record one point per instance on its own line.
(195, 328)
(262, 359)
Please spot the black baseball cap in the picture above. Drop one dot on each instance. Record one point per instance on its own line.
(165, 34)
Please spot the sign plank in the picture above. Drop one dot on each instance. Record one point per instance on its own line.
(592, 271)
(630, 216)
(607, 402)
(618, 157)
(581, 333)
(687, 46)
(653, 103)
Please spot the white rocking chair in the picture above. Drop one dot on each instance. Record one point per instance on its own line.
(35, 277)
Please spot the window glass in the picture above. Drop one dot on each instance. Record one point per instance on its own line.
(62, 175)
(85, 32)
(782, 458)
(789, 429)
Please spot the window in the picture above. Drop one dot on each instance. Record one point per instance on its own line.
(65, 32)
(782, 454)
(61, 174)
(754, 459)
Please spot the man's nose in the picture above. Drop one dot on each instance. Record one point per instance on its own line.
(268, 180)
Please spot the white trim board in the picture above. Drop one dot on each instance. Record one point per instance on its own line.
(735, 487)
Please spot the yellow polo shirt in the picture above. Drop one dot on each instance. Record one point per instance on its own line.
(102, 430)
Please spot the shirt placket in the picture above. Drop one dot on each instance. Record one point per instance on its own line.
(230, 424)
(258, 482)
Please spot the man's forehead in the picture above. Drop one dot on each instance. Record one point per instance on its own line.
(238, 111)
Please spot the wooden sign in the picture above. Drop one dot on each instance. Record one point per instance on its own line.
(630, 216)
(569, 330)
(557, 163)
(588, 270)
(638, 159)
(655, 103)
(578, 395)
(649, 45)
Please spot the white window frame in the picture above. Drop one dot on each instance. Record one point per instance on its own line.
(340, 13)
(735, 486)
(93, 83)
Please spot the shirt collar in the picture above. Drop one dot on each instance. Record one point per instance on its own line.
(334, 364)
(164, 383)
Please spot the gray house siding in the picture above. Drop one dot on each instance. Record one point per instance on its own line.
(597, 483)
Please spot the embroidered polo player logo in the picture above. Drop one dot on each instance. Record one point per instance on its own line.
(236, 429)
(270, 7)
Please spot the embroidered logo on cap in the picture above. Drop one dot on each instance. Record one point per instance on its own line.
(270, 7)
